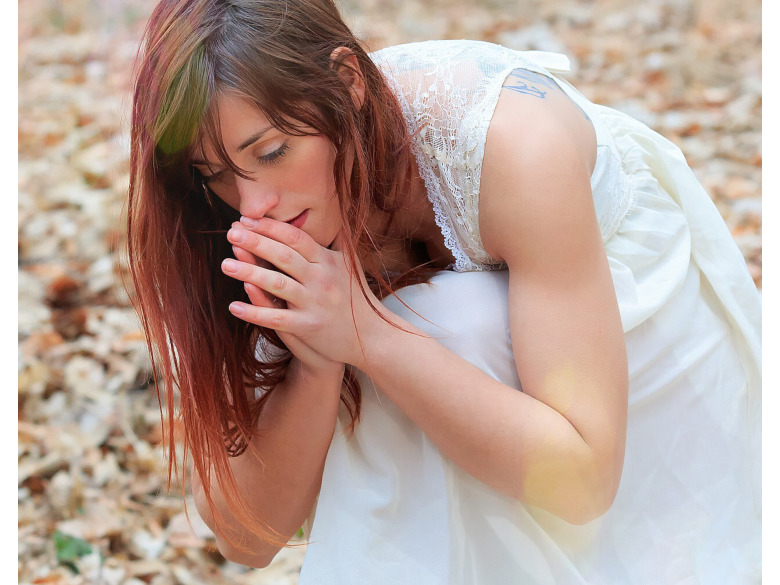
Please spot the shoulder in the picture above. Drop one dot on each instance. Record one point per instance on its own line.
(539, 154)
(439, 65)
(532, 111)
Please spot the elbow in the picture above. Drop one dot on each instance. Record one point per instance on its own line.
(587, 509)
(585, 491)
(594, 495)
(252, 561)
(258, 557)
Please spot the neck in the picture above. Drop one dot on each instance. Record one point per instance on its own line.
(414, 218)
(412, 236)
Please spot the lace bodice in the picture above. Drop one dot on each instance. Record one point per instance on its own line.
(448, 91)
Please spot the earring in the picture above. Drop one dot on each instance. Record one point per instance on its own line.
(207, 193)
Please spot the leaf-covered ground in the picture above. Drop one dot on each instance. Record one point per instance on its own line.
(93, 503)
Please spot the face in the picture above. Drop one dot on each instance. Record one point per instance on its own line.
(290, 177)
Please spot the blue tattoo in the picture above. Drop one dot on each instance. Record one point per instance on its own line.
(529, 83)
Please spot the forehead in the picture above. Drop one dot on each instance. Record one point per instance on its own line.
(236, 119)
(238, 116)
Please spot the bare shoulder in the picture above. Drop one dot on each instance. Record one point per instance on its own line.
(539, 155)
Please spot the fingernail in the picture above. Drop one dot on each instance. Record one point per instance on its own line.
(237, 235)
(236, 308)
(249, 222)
(229, 265)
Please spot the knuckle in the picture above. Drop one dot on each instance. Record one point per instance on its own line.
(327, 284)
(286, 255)
(333, 261)
(256, 245)
(271, 230)
(277, 320)
(296, 237)
(279, 282)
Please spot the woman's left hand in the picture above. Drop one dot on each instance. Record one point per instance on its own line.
(323, 304)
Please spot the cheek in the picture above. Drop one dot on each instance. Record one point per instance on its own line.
(317, 167)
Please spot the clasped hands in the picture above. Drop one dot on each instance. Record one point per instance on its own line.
(313, 301)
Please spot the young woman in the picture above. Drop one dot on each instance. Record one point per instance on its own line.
(589, 319)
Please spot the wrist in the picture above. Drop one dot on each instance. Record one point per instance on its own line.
(323, 374)
(386, 331)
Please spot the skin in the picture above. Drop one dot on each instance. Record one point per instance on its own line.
(559, 444)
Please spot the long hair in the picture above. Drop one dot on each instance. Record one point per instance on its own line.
(277, 55)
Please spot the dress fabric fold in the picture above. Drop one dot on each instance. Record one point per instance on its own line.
(393, 510)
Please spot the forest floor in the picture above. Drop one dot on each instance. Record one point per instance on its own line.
(93, 504)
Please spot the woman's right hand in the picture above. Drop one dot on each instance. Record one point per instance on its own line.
(309, 358)
(328, 304)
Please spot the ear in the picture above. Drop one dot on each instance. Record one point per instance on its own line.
(346, 64)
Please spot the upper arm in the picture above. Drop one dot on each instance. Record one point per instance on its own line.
(537, 214)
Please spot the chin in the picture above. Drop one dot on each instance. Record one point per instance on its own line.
(326, 240)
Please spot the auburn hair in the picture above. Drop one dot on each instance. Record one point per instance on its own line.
(277, 55)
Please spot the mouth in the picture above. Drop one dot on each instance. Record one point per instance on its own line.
(299, 220)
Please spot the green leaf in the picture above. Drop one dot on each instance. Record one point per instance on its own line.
(69, 549)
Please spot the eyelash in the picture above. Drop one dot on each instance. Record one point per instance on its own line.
(273, 157)
(212, 178)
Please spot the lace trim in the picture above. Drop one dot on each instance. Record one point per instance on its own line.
(621, 195)
(432, 184)
(448, 92)
(433, 191)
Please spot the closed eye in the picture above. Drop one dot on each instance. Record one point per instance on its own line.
(213, 178)
(266, 159)
(273, 157)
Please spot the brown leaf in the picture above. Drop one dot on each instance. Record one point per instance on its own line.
(64, 292)
(70, 323)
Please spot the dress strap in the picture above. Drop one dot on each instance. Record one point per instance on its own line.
(553, 62)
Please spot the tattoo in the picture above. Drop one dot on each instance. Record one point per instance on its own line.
(531, 83)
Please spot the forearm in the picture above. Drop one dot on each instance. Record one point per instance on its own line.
(558, 445)
(279, 475)
(503, 437)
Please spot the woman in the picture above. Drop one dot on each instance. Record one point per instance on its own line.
(623, 311)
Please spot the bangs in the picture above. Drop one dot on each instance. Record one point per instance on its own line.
(226, 62)
(184, 105)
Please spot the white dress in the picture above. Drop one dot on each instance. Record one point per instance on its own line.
(392, 510)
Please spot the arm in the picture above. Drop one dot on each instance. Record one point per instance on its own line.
(538, 216)
(279, 474)
(558, 444)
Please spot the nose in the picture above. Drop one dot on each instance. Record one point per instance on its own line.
(255, 199)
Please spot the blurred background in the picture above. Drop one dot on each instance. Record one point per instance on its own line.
(93, 501)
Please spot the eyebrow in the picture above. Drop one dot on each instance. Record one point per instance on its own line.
(252, 139)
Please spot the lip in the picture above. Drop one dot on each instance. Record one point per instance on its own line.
(300, 219)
